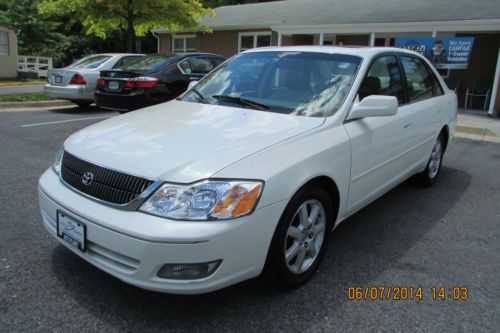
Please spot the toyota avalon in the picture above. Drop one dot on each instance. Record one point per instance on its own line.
(250, 169)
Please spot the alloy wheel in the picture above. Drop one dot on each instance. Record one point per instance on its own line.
(435, 160)
(305, 236)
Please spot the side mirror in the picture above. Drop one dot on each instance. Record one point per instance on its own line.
(374, 106)
(191, 85)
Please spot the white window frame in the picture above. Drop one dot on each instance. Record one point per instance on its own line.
(254, 35)
(7, 43)
(184, 48)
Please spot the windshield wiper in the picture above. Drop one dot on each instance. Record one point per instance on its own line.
(241, 101)
(199, 96)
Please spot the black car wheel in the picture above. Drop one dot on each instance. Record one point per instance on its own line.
(429, 176)
(299, 241)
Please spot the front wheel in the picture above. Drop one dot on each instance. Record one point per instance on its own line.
(429, 176)
(299, 241)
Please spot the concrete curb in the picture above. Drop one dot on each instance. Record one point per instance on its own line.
(476, 133)
(39, 104)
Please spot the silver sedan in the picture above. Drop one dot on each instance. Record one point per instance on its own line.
(77, 82)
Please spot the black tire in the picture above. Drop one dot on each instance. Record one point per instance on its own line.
(430, 175)
(277, 269)
(82, 104)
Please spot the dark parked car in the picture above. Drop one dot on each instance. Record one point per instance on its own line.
(153, 79)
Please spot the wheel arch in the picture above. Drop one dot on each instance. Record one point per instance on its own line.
(323, 181)
(328, 184)
(445, 131)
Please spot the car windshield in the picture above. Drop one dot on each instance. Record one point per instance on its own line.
(91, 62)
(150, 63)
(298, 83)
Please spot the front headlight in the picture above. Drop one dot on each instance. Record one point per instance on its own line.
(57, 161)
(207, 200)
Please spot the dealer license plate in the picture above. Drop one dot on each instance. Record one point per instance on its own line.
(58, 79)
(113, 85)
(71, 230)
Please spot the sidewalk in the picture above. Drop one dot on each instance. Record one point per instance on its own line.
(476, 125)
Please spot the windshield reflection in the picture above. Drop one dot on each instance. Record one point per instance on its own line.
(308, 84)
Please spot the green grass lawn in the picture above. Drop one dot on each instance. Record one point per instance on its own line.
(25, 97)
(17, 82)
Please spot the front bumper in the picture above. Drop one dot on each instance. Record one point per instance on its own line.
(133, 246)
(72, 92)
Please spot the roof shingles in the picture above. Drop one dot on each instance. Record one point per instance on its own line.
(318, 12)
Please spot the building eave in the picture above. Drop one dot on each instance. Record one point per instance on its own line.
(463, 25)
(215, 28)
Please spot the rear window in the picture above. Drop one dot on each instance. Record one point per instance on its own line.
(91, 62)
(150, 63)
(419, 81)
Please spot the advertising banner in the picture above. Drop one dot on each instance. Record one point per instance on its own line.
(445, 52)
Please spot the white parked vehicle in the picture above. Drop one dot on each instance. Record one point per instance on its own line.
(250, 169)
(78, 81)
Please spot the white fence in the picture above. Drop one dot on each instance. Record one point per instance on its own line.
(32, 64)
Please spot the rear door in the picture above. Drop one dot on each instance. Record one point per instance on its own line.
(379, 145)
(425, 104)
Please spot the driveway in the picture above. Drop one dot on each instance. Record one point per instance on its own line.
(445, 236)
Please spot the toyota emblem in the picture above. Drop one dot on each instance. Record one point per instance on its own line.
(87, 178)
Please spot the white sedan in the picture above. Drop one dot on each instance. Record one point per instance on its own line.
(250, 169)
(78, 81)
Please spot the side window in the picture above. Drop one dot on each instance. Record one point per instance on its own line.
(200, 65)
(418, 79)
(217, 61)
(438, 90)
(383, 78)
(125, 61)
(436, 86)
(184, 66)
(172, 69)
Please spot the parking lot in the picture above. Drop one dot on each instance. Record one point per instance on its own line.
(446, 236)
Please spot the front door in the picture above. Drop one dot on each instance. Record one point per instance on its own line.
(379, 145)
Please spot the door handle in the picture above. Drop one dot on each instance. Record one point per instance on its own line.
(438, 111)
(407, 125)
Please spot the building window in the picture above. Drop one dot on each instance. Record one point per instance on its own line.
(184, 44)
(4, 43)
(252, 40)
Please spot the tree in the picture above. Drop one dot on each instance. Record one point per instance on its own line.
(219, 3)
(136, 17)
(36, 35)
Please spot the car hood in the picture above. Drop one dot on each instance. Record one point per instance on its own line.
(182, 141)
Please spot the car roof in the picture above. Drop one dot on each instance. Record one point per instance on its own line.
(362, 51)
(197, 53)
(120, 54)
(182, 55)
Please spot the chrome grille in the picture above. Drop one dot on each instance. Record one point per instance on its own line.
(107, 185)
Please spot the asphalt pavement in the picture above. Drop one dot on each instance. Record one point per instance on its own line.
(444, 236)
